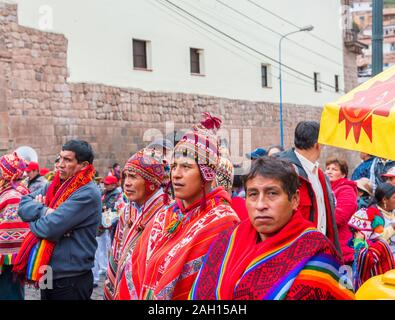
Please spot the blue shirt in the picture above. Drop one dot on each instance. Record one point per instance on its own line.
(73, 226)
(362, 170)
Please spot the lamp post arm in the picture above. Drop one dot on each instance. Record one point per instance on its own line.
(281, 86)
(279, 54)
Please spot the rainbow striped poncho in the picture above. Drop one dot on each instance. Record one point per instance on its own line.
(298, 263)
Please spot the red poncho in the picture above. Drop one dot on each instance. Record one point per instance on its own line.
(170, 252)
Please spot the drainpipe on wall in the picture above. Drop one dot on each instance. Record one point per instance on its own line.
(377, 37)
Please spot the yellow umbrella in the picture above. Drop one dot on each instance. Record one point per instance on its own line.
(381, 287)
(363, 119)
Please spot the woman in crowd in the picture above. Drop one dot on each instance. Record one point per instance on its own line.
(142, 177)
(272, 150)
(373, 255)
(384, 200)
(345, 192)
(171, 249)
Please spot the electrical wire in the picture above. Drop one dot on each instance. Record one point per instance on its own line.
(245, 45)
(295, 25)
(306, 83)
(278, 33)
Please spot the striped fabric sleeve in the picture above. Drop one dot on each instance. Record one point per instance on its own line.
(113, 258)
(320, 280)
(10, 213)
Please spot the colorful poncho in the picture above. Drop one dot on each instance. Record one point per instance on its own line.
(123, 209)
(129, 229)
(36, 253)
(297, 263)
(372, 258)
(171, 249)
(12, 230)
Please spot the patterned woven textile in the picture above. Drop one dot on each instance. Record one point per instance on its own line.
(132, 227)
(12, 230)
(36, 252)
(201, 144)
(12, 167)
(171, 249)
(123, 209)
(374, 259)
(297, 263)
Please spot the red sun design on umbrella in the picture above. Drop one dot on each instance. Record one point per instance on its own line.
(377, 100)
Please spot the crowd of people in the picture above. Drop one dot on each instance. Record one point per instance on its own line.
(175, 222)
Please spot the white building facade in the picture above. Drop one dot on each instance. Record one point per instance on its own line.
(361, 6)
(227, 48)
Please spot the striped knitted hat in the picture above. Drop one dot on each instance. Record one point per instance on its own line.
(225, 173)
(368, 221)
(12, 167)
(201, 144)
(147, 166)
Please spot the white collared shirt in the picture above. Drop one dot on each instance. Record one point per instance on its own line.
(312, 174)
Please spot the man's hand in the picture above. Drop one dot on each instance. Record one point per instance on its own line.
(49, 211)
(40, 199)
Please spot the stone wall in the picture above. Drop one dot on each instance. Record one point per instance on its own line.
(39, 108)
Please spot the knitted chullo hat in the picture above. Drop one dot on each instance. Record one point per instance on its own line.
(12, 167)
(155, 149)
(368, 221)
(148, 167)
(201, 145)
(225, 171)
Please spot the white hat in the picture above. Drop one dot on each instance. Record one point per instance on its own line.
(390, 173)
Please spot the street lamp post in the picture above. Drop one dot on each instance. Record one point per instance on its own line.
(307, 28)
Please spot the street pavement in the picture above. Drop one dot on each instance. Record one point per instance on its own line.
(97, 294)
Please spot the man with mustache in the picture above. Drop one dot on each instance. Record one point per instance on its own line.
(142, 178)
(172, 247)
(276, 254)
(63, 226)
